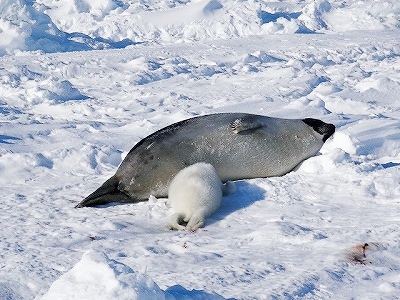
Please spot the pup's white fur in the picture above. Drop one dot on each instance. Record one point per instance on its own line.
(194, 194)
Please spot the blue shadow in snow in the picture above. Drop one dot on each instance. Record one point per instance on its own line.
(267, 17)
(390, 165)
(179, 292)
(86, 42)
(6, 139)
(245, 195)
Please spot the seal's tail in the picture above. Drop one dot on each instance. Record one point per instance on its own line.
(106, 193)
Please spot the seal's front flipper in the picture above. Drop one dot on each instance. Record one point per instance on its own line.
(106, 193)
(245, 125)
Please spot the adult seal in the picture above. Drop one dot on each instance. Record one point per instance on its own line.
(238, 145)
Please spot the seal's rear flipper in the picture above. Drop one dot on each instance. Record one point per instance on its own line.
(106, 193)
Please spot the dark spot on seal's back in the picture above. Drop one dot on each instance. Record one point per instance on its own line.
(147, 159)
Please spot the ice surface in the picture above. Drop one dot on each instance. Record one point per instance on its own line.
(82, 81)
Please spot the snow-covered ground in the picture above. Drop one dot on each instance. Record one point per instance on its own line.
(82, 81)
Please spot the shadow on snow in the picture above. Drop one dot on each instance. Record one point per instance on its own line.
(179, 292)
(6, 139)
(245, 195)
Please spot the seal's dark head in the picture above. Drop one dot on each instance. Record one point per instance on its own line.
(325, 129)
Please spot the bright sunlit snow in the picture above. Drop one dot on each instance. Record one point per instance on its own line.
(82, 81)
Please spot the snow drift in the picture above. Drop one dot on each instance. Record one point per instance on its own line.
(82, 81)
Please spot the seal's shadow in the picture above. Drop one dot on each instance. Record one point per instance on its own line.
(246, 194)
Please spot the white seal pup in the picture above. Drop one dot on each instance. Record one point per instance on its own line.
(194, 194)
(238, 145)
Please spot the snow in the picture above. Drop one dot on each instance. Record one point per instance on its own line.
(112, 280)
(82, 81)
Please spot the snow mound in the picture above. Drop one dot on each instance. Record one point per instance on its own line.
(70, 25)
(359, 16)
(96, 276)
(24, 25)
(31, 87)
